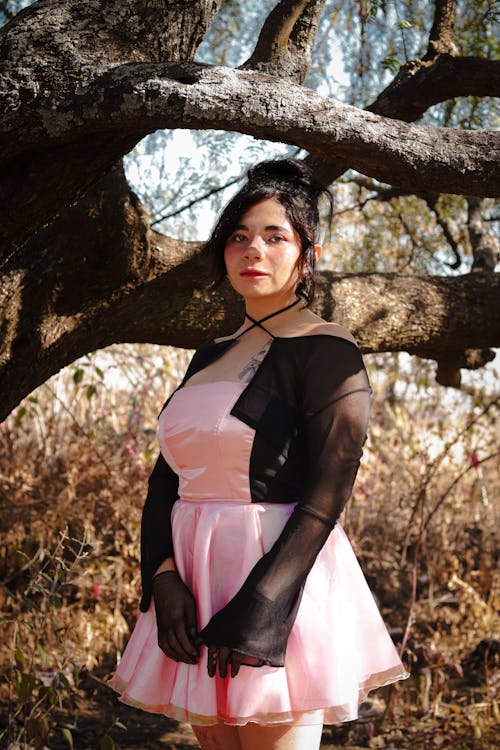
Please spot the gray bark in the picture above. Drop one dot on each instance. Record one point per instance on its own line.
(119, 281)
(81, 266)
(65, 150)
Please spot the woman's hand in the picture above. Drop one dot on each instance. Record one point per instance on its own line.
(176, 618)
(223, 656)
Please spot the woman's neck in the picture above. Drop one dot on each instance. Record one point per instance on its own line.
(260, 307)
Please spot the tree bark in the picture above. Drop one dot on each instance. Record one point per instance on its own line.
(119, 281)
(82, 267)
(61, 152)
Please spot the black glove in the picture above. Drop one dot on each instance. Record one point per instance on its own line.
(176, 618)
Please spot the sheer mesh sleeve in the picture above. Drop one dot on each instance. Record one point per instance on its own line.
(336, 402)
(156, 530)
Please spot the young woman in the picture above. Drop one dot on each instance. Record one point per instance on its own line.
(257, 625)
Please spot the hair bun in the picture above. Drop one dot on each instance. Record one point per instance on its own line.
(293, 172)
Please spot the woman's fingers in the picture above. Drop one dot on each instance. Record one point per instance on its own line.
(236, 661)
(176, 645)
(186, 644)
(213, 655)
(223, 657)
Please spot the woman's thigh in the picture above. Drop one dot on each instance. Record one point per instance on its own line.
(217, 737)
(280, 737)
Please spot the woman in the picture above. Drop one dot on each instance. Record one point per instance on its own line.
(257, 625)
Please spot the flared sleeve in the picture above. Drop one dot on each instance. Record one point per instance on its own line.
(335, 404)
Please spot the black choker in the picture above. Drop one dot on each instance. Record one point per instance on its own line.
(258, 322)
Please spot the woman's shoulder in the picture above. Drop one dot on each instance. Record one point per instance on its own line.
(332, 329)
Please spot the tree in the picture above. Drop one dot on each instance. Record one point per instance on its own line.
(82, 83)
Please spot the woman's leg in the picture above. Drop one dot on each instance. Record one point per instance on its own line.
(280, 737)
(217, 737)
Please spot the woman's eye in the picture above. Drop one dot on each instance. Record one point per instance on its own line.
(238, 238)
(277, 238)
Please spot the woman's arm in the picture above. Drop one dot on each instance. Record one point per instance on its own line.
(175, 607)
(156, 530)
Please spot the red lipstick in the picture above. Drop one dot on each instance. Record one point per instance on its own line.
(252, 272)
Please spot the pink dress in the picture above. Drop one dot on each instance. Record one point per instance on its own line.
(339, 647)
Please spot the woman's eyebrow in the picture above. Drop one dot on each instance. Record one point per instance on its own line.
(271, 227)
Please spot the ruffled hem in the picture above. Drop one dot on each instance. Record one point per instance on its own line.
(309, 715)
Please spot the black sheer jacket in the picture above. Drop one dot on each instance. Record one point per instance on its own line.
(309, 404)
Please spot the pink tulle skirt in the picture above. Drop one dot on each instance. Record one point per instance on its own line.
(338, 650)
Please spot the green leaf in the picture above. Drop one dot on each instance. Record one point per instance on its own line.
(99, 372)
(107, 743)
(37, 730)
(67, 736)
(25, 686)
(64, 680)
(20, 414)
(19, 657)
(42, 653)
(405, 24)
(90, 391)
(391, 63)
(78, 375)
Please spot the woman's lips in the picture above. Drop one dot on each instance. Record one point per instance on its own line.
(252, 273)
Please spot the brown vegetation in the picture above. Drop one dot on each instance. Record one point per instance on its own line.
(74, 462)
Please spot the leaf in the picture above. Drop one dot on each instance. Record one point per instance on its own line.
(42, 653)
(391, 63)
(37, 730)
(25, 687)
(99, 372)
(67, 736)
(405, 24)
(90, 391)
(20, 414)
(107, 743)
(78, 375)
(19, 657)
(64, 680)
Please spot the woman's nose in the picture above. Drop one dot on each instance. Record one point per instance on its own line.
(254, 247)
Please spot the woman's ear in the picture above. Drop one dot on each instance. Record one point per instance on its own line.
(318, 249)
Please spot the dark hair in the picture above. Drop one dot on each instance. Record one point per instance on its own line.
(293, 184)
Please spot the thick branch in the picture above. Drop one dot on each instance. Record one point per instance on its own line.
(286, 39)
(441, 36)
(70, 292)
(418, 86)
(58, 152)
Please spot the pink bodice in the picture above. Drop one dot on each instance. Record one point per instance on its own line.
(207, 447)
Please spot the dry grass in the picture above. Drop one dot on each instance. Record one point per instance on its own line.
(74, 461)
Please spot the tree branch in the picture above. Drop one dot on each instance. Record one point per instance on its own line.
(484, 244)
(432, 202)
(418, 86)
(286, 39)
(441, 36)
(67, 293)
(56, 154)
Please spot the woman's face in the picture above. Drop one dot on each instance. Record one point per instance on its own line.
(262, 253)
